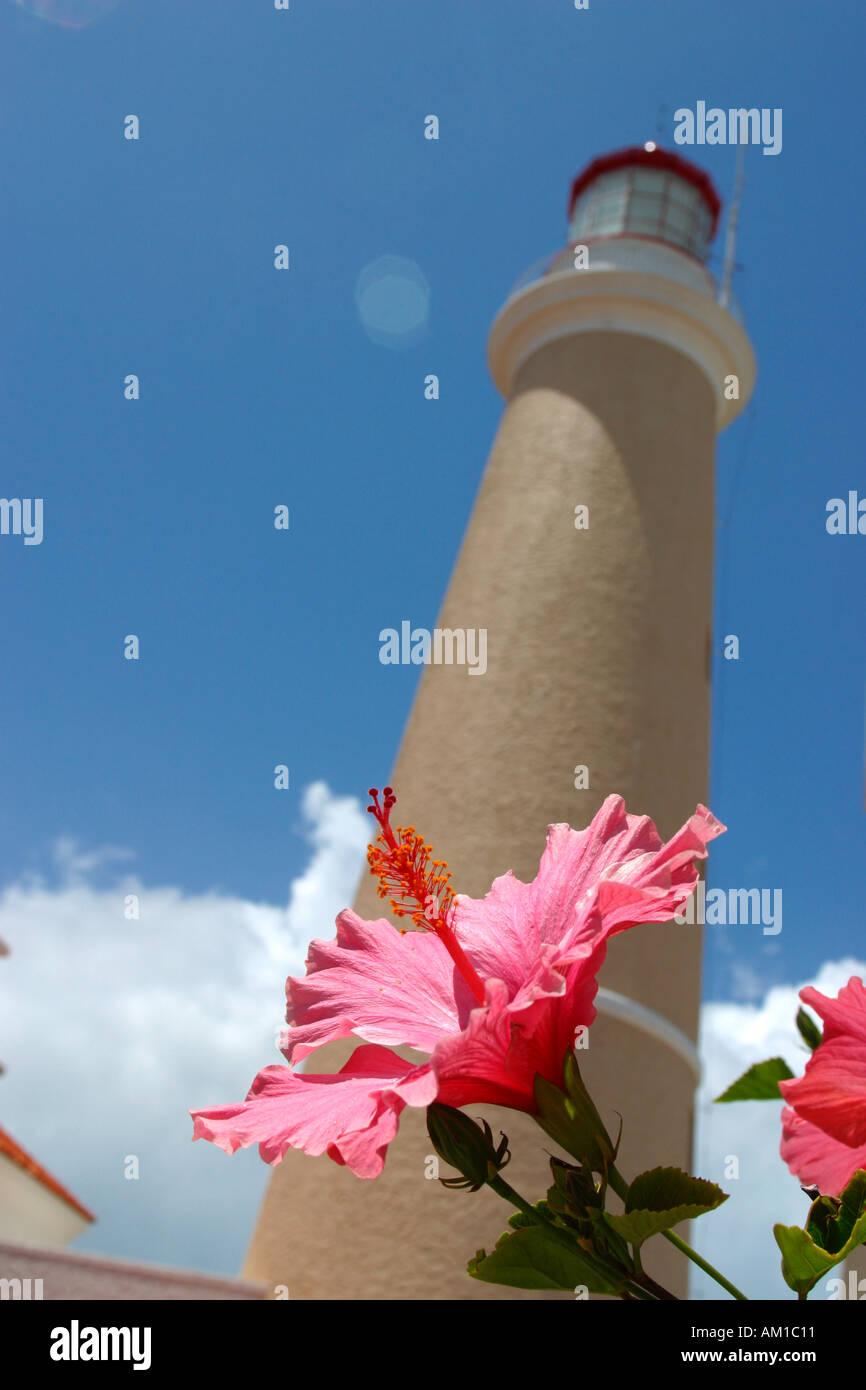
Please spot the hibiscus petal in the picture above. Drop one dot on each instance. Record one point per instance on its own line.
(642, 879)
(352, 1116)
(846, 1014)
(816, 1158)
(375, 983)
(832, 1092)
(591, 883)
(490, 1061)
(506, 1044)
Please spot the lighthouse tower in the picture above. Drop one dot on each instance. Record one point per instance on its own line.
(588, 560)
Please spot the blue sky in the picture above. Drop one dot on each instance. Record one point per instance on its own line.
(258, 388)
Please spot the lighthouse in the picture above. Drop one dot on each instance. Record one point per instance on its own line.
(588, 563)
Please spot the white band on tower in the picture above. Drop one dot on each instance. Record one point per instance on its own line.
(632, 287)
(626, 1010)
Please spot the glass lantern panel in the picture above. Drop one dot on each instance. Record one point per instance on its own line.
(616, 178)
(645, 213)
(677, 238)
(683, 194)
(648, 180)
(679, 219)
(613, 203)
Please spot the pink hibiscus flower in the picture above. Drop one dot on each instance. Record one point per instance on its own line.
(492, 991)
(824, 1124)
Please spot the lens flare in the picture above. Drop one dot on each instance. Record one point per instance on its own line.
(68, 14)
(393, 301)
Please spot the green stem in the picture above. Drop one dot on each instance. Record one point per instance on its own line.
(620, 1187)
(704, 1265)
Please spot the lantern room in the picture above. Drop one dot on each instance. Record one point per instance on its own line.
(645, 191)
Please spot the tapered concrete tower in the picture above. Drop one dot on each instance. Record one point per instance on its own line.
(588, 560)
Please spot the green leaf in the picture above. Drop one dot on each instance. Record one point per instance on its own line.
(835, 1227)
(803, 1262)
(760, 1082)
(660, 1199)
(527, 1259)
(808, 1029)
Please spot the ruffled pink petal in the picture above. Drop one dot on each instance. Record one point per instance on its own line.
(352, 1116)
(844, 1015)
(554, 1026)
(506, 1044)
(652, 886)
(832, 1092)
(374, 983)
(590, 883)
(548, 941)
(816, 1158)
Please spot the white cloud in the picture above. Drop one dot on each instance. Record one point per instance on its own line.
(112, 1029)
(75, 864)
(738, 1238)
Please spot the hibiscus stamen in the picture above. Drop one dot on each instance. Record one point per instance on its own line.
(415, 885)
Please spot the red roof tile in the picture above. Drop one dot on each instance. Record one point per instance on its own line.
(10, 1149)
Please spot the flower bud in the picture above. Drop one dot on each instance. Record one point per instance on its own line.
(466, 1147)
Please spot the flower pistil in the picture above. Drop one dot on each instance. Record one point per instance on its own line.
(415, 885)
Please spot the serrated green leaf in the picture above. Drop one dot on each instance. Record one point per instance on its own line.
(834, 1228)
(662, 1198)
(527, 1259)
(808, 1029)
(638, 1226)
(659, 1189)
(760, 1082)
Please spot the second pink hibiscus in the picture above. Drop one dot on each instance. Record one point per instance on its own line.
(824, 1123)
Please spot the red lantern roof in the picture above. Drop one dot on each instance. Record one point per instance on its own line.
(654, 158)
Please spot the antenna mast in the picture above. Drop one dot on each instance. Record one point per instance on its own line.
(733, 220)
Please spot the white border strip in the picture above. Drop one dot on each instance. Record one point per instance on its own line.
(619, 1006)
